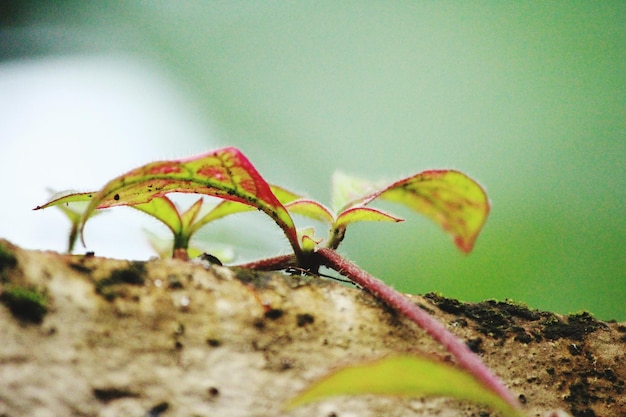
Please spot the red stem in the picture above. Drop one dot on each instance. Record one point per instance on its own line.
(464, 356)
(272, 264)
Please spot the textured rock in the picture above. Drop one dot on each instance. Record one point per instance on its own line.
(169, 338)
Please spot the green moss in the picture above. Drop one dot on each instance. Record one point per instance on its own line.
(498, 319)
(577, 327)
(28, 304)
(133, 275)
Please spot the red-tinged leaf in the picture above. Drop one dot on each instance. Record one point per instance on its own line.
(163, 209)
(407, 376)
(224, 173)
(68, 198)
(364, 214)
(450, 198)
(311, 209)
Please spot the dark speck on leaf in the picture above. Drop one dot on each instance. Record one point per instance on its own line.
(116, 197)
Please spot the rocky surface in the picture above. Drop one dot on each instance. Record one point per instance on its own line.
(88, 336)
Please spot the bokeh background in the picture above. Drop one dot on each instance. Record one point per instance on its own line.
(527, 97)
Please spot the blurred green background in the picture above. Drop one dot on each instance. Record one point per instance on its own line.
(527, 97)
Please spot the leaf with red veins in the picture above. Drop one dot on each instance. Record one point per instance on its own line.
(224, 173)
(311, 209)
(450, 198)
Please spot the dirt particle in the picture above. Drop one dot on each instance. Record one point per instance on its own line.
(213, 342)
(274, 313)
(106, 395)
(475, 345)
(158, 409)
(213, 392)
(304, 319)
(173, 282)
(574, 349)
(609, 375)
(523, 337)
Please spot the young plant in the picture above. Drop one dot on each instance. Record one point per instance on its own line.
(450, 198)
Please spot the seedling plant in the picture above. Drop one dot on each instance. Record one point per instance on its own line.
(450, 198)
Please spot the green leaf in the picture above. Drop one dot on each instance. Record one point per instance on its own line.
(189, 216)
(226, 208)
(308, 240)
(68, 198)
(406, 376)
(311, 209)
(449, 198)
(225, 173)
(364, 214)
(163, 209)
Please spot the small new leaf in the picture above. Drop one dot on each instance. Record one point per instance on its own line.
(405, 376)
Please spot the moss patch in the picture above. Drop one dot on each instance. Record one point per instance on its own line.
(576, 327)
(27, 304)
(133, 274)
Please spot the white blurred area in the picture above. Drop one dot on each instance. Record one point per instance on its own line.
(75, 123)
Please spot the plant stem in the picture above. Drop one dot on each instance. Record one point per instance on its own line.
(272, 264)
(464, 356)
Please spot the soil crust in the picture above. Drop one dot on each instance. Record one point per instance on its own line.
(89, 336)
